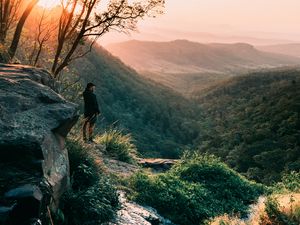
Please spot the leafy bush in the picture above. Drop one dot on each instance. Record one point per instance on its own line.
(92, 199)
(196, 189)
(290, 183)
(118, 145)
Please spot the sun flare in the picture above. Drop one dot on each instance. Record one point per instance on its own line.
(49, 3)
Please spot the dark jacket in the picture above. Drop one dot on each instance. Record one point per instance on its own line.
(90, 103)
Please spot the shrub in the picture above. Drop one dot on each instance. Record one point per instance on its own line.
(196, 189)
(233, 191)
(92, 198)
(118, 145)
(290, 182)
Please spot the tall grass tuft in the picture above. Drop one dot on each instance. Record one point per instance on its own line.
(118, 145)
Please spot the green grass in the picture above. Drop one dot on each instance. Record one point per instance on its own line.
(118, 145)
(196, 189)
(92, 199)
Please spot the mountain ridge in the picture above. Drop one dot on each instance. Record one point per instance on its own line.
(212, 56)
(291, 49)
(187, 66)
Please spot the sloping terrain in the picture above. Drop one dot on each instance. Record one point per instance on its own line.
(161, 121)
(292, 49)
(189, 66)
(256, 123)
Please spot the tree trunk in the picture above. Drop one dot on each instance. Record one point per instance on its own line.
(19, 28)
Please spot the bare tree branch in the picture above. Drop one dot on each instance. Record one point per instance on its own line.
(74, 28)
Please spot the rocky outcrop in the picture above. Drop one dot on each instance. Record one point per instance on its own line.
(34, 121)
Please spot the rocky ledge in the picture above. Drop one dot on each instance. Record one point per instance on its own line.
(34, 121)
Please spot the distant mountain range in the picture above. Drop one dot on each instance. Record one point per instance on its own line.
(184, 65)
(292, 49)
(164, 35)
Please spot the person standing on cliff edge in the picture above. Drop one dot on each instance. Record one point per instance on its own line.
(91, 111)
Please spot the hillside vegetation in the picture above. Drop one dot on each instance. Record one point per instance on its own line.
(161, 121)
(250, 121)
(256, 123)
(246, 120)
(198, 188)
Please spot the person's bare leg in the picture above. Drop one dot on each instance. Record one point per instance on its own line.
(84, 129)
(91, 131)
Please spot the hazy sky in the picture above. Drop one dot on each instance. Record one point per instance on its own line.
(256, 18)
(270, 15)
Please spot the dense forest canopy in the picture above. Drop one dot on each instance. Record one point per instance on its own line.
(256, 123)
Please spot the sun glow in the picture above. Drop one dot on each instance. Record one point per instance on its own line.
(49, 4)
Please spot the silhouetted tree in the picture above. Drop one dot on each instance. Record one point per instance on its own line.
(19, 28)
(44, 31)
(8, 16)
(81, 21)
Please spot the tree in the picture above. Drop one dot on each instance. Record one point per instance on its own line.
(16, 38)
(8, 16)
(44, 31)
(88, 24)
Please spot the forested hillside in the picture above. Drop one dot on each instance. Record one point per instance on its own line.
(250, 121)
(161, 121)
(256, 123)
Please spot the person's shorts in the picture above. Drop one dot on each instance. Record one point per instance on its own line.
(91, 119)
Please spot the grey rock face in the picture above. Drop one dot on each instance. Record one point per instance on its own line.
(34, 121)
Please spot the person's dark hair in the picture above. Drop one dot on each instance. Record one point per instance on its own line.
(89, 85)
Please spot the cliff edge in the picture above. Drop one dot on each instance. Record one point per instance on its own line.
(34, 165)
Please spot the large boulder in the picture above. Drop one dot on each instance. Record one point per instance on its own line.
(34, 121)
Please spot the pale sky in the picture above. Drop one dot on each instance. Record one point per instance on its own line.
(274, 19)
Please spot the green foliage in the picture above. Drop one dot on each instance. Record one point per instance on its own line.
(92, 199)
(196, 189)
(84, 172)
(290, 183)
(256, 126)
(118, 145)
(70, 86)
(161, 121)
(223, 182)
(247, 121)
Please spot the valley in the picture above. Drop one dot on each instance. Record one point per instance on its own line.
(188, 67)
